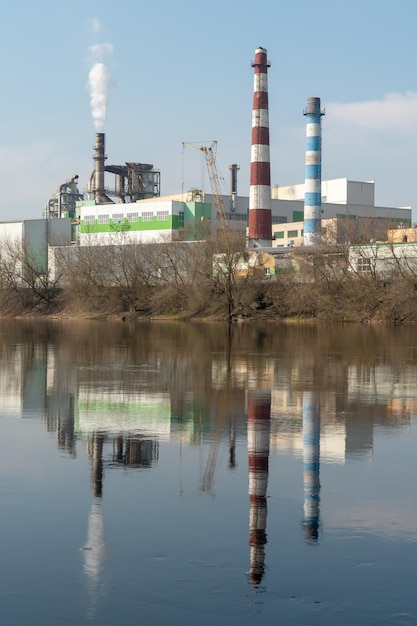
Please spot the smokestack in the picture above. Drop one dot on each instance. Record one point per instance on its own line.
(259, 426)
(99, 158)
(260, 219)
(312, 188)
(234, 168)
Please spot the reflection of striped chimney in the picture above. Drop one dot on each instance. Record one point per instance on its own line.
(312, 189)
(259, 418)
(260, 219)
(311, 459)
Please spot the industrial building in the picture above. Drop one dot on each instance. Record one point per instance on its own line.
(384, 260)
(159, 220)
(25, 244)
(132, 210)
(348, 214)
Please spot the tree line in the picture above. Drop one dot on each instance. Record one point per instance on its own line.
(215, 278)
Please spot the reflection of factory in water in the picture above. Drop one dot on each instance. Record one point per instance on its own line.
(153, 404)
(124, 408)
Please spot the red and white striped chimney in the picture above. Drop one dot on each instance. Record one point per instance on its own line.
(260, 217)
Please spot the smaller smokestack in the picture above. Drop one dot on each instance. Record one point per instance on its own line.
(234, 168)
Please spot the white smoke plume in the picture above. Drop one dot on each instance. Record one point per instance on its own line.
(99, 81)
(95, 25)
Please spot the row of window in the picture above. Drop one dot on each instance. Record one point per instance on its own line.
(236, 217)
(147, 216)
(291, 233)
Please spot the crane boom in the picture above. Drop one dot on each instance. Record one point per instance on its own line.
(210, 157)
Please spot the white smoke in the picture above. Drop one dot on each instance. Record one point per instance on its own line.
(99, 50)
(99, 81)
(95, 25)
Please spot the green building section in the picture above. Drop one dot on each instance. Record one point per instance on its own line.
(196, 211)
(193, 217)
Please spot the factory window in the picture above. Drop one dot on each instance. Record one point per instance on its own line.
(117, 217)
(133, 217)
(89, 219)
(103, 219)
(279, 234)
(162, 215)
(147, 216)
(237, 217)
(279, 219)
(181, 219)
(363, 265)
(293, 233)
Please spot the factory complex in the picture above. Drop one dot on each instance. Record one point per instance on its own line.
(192, 215)
(274, 219)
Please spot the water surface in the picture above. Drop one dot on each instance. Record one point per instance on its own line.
(169, 473)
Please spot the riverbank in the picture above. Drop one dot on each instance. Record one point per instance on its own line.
(359, 299)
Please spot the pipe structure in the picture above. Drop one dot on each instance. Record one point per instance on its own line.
(99, 158)
(234, 168)
(312, 188)
(260, 216)
(259, 427)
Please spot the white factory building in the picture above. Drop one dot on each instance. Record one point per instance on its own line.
(349, 215)
(32, 239)
(192, 215)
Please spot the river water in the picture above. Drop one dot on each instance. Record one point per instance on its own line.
(187, 473)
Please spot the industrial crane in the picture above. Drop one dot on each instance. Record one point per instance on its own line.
(210, 157)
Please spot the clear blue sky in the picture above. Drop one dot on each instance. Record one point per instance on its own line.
(181, 71)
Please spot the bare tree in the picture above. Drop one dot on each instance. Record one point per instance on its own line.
(26, 274)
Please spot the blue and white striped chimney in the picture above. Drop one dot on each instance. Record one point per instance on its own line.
(312, 188)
